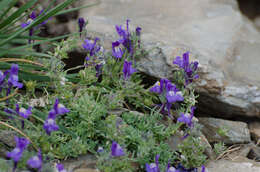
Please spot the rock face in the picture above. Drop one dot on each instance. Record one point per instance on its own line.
(229, 132)
(255, 131)
(230, 166)
(224, 42)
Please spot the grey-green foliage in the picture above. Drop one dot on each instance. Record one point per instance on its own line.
(192, 152)
(219, 148)
(142, 136)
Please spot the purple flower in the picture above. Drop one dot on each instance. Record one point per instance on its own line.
(121, 32)
(117, 52)
(13, 77)
(59, 108)
(157, 88)
(16, 154)
(162, 86)
(128, 70)
(116, 150)
(138, 31)
(170, 168)
(125, 35)
(168, 92)
(25, 113)
(98, 68)
(100, 149)
(35, 161)
(182, 169)
(87, 58)
(189, 68)
(153, 167)
(174, 96)
(60, 168)
(81, 23)
(50, 123)
(203, 169)
(91, 46)
(186, 118)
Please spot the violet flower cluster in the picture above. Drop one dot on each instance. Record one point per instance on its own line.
(12, 81)
(186, 118)
(125, 41)
(168, 93)
(125, 37)
(154, 167)
(91, 59)
(50, 123)
(16, 155)
(17, 152)
(190, 69)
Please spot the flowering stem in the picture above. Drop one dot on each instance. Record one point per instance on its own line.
(15, 166)
(22, 124)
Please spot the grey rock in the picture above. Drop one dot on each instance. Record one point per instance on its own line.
(230, 166)
(254, 128)
(208, 149)
(257, 22)
(7, 137)
(226, 44)
(85, 161)
(229, 132)
(174, 140)
(254, 153)
(86, 170)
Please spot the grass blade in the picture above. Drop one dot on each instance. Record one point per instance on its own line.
(17, 13)
(39, 20)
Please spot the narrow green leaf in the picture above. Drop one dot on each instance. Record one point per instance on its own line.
(18, 13)
(27, 76)
(16, 49)
(32, 53)
(4, 4)
(43, 17)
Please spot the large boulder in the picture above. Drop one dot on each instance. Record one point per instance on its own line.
(225, 43)
(228, 132)
(230, 166)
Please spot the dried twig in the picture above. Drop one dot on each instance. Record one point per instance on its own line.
(228, 151)
(20, 60)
